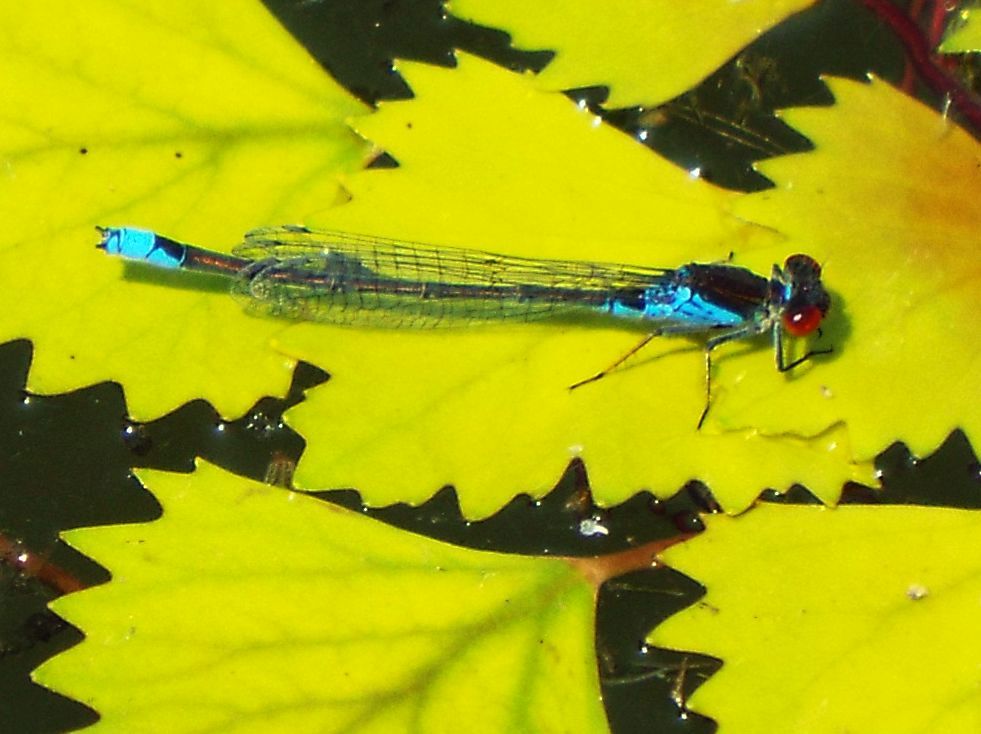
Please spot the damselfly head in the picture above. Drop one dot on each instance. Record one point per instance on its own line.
(802, 267)
(808, 301)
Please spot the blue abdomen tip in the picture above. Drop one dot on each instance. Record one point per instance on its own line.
(143, 245)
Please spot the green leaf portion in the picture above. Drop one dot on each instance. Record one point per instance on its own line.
(966, 34)
(248, 608)
(197, 120)
(854, 619)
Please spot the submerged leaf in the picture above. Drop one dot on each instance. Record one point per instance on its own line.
(854, 619)
(646, 53)
(249, 608)
(199, 120)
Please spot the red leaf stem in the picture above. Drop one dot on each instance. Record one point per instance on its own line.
(920, 54)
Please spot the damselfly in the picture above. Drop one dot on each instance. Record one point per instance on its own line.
(300, 273)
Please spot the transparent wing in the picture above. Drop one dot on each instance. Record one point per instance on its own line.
(338, 277)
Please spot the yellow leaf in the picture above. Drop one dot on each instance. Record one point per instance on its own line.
(488, 161)
(894, 218)
(249, 608)
(645, 52)
(199, 120)
(856, 619)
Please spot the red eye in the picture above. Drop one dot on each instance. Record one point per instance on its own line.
(802, 321)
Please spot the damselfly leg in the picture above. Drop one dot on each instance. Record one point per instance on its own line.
(623, 358)
(710, 346)
(778, 351)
